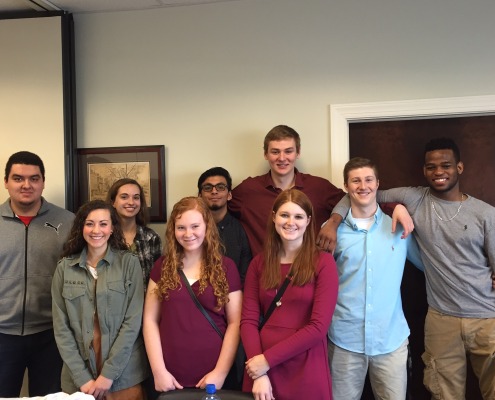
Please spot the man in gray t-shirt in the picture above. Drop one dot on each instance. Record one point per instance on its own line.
(456, 236)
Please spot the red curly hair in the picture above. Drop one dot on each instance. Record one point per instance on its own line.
(212, 269)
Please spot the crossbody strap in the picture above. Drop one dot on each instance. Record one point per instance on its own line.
(199, 305)
(276, 301)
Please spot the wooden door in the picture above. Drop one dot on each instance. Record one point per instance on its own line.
(397, 147)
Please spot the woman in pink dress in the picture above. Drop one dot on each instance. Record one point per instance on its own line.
(287, 358)
(184, 350)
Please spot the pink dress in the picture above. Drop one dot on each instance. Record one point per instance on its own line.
(190, 345)
(294, 339)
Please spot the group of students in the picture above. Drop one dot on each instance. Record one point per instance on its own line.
(97, 293)
(122, 306)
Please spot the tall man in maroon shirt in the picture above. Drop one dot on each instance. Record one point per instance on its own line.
(253, 198)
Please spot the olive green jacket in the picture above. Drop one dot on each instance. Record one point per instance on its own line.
(117, 296)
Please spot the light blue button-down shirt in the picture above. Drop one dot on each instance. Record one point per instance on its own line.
(368, 318)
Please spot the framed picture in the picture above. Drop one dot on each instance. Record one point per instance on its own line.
(99, 168)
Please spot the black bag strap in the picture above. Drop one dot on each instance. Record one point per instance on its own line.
(198, 304)
(276, 301)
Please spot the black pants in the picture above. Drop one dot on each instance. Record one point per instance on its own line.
(233, 381)
(39, 354)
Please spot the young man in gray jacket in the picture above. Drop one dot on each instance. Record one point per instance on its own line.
(32, 233)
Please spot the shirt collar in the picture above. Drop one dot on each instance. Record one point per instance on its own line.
(82, 257)
(225, 221)
(269, 184)
(349, 220)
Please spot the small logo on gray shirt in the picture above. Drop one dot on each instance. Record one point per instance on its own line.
(53, 226)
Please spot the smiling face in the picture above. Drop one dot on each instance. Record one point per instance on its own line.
(25, 185)
(442, 173)
(362, 185)
(97, 229)
(215, 199)
(190, 230)
(282, 156)
(128, 201)
(290, 222)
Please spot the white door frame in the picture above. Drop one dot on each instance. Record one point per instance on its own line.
(342, 114)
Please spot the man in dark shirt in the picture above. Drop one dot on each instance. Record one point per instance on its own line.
(214, 187)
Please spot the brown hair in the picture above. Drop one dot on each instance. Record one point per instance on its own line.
(76, 243)
(303, 267)
(359, 162)
(142, 217)
(281, 132)
(212, 270)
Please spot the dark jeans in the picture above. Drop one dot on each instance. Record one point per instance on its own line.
(39, 354)
(236, 373)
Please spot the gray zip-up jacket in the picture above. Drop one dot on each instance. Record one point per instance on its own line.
(118, 297)
(28, 258)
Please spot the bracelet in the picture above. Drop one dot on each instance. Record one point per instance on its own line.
(259, 376)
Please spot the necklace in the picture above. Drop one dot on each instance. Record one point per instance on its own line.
(446, 219)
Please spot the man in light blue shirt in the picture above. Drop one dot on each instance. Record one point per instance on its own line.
(369, 330)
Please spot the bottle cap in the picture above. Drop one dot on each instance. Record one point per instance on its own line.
(210, 388)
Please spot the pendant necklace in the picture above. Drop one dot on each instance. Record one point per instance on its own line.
(446, 219)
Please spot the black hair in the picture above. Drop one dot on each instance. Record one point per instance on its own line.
(443, 143)
(26, 158)
(215, 171)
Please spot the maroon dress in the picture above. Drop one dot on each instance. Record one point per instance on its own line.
(294, 339)
(190, 345)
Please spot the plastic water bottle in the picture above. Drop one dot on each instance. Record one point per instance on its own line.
(211, 392)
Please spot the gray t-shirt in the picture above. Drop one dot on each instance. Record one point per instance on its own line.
(458, 254)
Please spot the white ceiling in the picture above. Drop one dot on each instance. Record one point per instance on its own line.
(93, 6)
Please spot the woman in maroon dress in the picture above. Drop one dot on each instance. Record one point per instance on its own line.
(287, 358)
(184, 350)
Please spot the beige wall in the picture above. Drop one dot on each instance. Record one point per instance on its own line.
(208, 81)
(31, 97)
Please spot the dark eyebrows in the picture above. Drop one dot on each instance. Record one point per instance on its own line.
(24, 177)
(442, 164)
(95, 222)
(366, 177)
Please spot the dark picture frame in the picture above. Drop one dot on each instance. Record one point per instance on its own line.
(99, 168)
